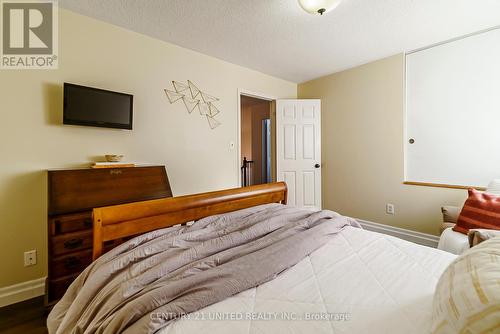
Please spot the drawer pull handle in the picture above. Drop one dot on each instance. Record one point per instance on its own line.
(57, 226)
(73, 243)
(87, 223)
(71, 262)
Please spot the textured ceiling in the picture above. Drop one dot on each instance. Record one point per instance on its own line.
(278, 38)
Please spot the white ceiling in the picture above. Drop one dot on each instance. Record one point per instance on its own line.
(278, 38)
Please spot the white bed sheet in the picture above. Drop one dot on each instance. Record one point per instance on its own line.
(384, 285)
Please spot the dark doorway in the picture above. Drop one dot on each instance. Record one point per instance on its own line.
(256, 141)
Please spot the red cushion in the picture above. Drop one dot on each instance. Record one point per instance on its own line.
(481, 210)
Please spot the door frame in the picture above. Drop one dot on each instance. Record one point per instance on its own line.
(261, 96)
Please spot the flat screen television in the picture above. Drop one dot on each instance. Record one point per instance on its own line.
(97, 107)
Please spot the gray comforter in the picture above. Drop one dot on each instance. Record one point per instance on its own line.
(147, 282)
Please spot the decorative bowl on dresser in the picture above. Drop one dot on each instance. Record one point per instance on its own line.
(73, 193)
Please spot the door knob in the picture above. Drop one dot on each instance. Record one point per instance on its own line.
(317, 166)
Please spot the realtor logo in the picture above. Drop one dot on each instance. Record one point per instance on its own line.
(29, 35)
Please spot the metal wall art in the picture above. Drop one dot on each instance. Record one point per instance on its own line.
(193, 98)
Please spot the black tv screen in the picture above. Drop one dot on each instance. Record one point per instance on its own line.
(97, 107)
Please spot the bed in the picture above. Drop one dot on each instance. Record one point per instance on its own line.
(347, 280)
(364, 282)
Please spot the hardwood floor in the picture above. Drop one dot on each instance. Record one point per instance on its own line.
(27, 317)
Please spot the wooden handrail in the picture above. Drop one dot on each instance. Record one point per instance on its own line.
(121, 221)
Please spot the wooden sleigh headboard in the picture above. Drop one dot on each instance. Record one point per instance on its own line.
(121, 221)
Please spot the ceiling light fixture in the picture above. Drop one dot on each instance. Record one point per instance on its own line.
(319, 6)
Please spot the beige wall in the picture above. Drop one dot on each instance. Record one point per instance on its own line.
(362, 148)
(94, 53)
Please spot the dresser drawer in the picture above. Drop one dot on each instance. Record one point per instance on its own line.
(57, 287)
(72, 263)
(71, 242)
(71, 223)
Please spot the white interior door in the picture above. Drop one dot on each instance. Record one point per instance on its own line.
(298, 149)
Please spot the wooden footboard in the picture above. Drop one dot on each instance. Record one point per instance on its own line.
(121, 221)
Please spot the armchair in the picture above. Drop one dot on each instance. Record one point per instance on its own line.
(455, 242)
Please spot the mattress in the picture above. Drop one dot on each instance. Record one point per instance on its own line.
(359, 282)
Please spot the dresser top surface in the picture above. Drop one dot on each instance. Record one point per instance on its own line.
(89, 168)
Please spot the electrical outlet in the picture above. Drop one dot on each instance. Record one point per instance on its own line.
(389, 208)
(30, 258)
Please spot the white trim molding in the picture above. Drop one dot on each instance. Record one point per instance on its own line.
(409, 235)
(22, 291)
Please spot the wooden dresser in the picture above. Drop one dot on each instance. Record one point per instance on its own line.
(72, 196)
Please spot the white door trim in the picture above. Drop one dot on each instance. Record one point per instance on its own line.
(257, 95)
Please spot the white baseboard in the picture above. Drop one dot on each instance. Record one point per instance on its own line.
(23, 291)
(409, 235)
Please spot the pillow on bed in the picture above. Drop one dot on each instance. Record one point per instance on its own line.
(480, 211)
(467, 297)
